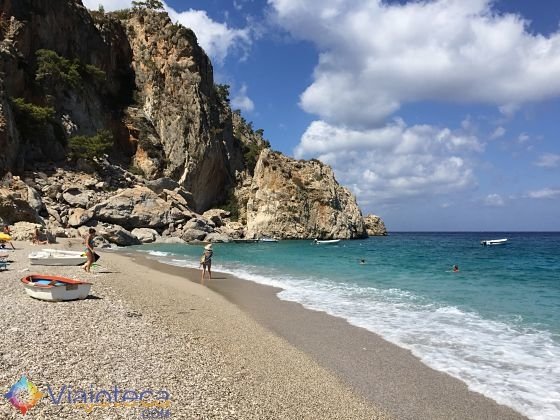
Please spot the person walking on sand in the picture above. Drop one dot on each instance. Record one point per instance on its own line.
(88, 242)
(206, 262)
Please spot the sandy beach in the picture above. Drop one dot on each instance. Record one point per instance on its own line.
(213, 360)
(232, 350)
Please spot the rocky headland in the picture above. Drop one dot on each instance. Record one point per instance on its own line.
(113, 120)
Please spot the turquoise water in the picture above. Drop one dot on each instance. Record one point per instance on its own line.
(494, 324)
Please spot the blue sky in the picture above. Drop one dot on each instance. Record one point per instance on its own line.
(438, 115)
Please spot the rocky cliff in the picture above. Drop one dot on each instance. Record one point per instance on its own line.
(298, 199)
(374, 225)
(129, 97)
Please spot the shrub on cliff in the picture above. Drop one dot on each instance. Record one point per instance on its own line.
(53, 69)
(90, 147)
(31, 119)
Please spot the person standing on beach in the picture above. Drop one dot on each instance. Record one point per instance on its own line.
(206, 262)
(88, 242)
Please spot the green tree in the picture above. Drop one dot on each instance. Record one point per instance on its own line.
(223, 92)
(90, 147)
(31, 119)
(53, 69)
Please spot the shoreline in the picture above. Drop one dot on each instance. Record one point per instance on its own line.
(379, 371)
(142, 328)
(231, 350)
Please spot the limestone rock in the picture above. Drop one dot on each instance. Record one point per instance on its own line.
(170, 240)
(34, 199)
(160, 184)
(217, 237)
(135, 208)
(300, 199)
(234, 230)
(24, 231)
(76, 197)
(79, 217)
(146, 235)
(216, 216)
(14, 205)
(189, 235)
(117, 235)
(374, 225)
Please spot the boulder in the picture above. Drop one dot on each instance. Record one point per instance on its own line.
(54, 214)
(374, 225)
(136, 208)
(199, 224)
(145, 235)
(79, 217)
(158, 185)
(216, 216)
(170, 240)
(14, 206)
(193, 235)
(34, 199)
(234, 230)
(217, 237)
(24, 231)
(117, 235)
(77, 198)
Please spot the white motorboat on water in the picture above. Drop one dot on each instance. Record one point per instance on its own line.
(328, 241)
(490, 242)
(57, 257)
(245, 241)
(55, 288)
(267, 239)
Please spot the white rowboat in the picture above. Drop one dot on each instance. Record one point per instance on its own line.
(55, 288)
(57, 257)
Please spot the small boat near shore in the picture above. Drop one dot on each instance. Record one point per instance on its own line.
(268, 239)
(325, 242)
(491, 242)
(245, 241)
(55, 288)
(57, 257)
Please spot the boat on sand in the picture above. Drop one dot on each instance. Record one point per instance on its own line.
(57, 257)
(55, 288)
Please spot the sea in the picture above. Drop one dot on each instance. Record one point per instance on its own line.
(494, 324)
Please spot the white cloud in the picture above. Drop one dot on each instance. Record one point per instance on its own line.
(523, 138)
(242, 101)
(548, 160)
(494, 200)
(108, 5)
(375, 57)
(217, 39)
(382, 164)
(498, 132)
(545, 193)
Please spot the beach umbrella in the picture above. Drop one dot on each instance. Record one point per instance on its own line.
(5, 237)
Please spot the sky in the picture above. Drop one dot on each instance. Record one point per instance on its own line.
(439, 115)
